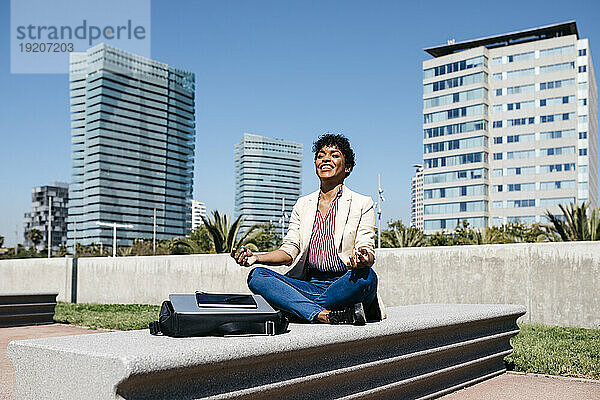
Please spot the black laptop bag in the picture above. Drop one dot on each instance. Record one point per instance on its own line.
(217, 314)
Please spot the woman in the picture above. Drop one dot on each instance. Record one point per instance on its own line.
(331, 237)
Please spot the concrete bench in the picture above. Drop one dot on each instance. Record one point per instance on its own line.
(420, 351)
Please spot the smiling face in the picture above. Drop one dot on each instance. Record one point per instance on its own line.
(330, 164)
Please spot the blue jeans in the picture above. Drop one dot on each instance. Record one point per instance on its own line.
(322, 291)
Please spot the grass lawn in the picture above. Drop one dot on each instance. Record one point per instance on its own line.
(121, 317)
(537, 349)
(556, 351)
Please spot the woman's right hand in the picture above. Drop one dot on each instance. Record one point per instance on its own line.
(244, 257)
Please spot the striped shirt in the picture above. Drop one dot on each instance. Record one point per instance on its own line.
(322, 254)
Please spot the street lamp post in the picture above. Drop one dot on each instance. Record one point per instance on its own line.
(49, 226)
(380, 200)
(74, 238)
(114, 225)
(154, 234)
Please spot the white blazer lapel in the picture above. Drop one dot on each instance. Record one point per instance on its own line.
(308, 219)
(342, 216)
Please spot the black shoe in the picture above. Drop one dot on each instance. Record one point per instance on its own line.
(352, 315)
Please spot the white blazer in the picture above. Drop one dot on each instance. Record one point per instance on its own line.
(354, 228)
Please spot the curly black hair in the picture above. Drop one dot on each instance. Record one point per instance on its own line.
(339, 141)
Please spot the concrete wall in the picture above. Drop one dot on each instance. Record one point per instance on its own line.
(559, 283)
(37, 275)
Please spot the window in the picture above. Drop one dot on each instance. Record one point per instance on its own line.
(455, 66)
(521, 187)
(551, 185)
(467, 111)
(459, 159)
(455, 128)
(497, 156)
(497, 124)
(497, 188)
(582, 86)
(556, 201)
(497, 108)
(497, 172)
(582, 52)
(455, 82)
(521, 57)
(556, 67)
(463, 206)
(475, 222)
(554, 101)
(498, 92)
(498, 140)
(520, 89)
(520, 203)
(455, 144)
(520, 171)
(497, 76)
(520, 121)
(497, 204)
(557, 84)
(456, 191)
(557, 117)
(582, 68)
(557, 168)
(497, 60)
(557, 134)
(583, 152)
(557, 151)
(520, 72)
(525, 137)
(555, 51)
(456, 175)
(582, 135)
(582, 118)
(582, 102)
(479, 93)
(520, 154)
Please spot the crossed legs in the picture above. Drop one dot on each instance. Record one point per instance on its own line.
(306, 299)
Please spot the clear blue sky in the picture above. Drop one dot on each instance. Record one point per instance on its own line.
(287, 69)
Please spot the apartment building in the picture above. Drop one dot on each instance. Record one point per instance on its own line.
(268, 179)
(509, 125)
(416, 198)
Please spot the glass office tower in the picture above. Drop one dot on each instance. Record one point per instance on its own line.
(133, 135)
(267, 178)
(509, 125)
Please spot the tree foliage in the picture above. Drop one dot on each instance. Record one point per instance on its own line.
(263, 238)
(36, 236)
(224, 233)
(574, 224)
(398, 235)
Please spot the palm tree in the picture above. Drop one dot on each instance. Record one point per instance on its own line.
(36, 237)
(574, 225)
(402, 236)
(224, 233)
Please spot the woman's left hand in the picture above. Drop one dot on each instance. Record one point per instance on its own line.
(362, 258)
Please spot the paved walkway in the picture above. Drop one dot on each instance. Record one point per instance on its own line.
(513, 386)
(7, 372)
(518, 386)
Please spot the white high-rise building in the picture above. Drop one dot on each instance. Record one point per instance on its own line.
(268, 178)
(510, 128)
(198, 211)
(416, 198)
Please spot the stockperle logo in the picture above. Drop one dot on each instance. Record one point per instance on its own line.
(44, 33)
